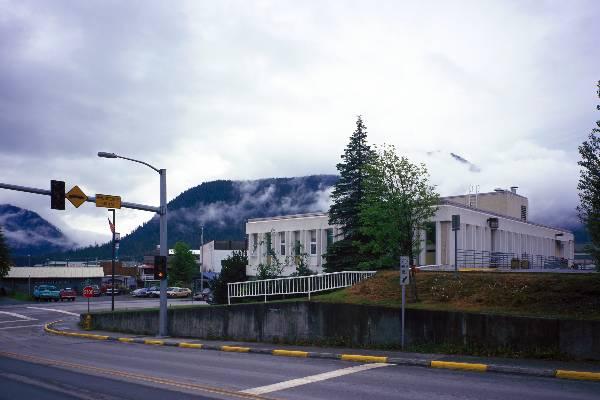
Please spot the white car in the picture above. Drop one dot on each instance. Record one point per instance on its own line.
(178, 292)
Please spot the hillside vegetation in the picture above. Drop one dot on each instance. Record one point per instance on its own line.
(222, 207)
(532, 294)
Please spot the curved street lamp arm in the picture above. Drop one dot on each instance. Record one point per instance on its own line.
(138, 161)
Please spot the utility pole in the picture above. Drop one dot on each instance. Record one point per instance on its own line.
(201, 258)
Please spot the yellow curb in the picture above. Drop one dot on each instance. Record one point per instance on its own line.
(235, 349)
(358, 358)
(581, 375)
(459, 365)
(290, 353)
(125, 339)
(100, 337)
(190, 345)
(154, 342)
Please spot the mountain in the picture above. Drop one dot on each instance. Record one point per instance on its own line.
(29, 234)
(223, 207)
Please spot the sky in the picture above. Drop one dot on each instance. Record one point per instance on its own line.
(255, 89)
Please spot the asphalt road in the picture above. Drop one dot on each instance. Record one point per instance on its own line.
(34, 364)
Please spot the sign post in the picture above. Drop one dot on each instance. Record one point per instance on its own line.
(456, 228)
(88, 292)
(404, 280)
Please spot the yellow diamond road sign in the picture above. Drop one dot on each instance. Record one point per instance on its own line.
(104, 200)
(76, 196)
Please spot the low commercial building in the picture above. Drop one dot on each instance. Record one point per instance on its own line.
(24, 279)
(494, 230)
(215, 251)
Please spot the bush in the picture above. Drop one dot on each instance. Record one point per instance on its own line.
(233, 269)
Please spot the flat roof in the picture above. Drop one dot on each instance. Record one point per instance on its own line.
(306, 215)
(442, 202)
(464, 206)
(54, 272)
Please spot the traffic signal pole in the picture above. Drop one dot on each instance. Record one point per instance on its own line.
(164, 251)
(162, 211)
(90, 199)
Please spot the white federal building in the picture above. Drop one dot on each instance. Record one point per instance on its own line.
(494, 228)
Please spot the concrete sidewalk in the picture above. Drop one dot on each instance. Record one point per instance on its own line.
(550, 368)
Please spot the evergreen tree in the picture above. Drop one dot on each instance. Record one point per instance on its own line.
(346, 199)
(4, 256)
(589, 188)
(182, 266)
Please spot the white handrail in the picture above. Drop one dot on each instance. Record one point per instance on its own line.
(296, 284)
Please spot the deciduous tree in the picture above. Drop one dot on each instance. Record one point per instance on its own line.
(182, 265)
(398, 201)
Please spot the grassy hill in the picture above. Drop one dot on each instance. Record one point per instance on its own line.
(557, 295)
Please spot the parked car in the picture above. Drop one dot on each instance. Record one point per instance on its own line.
(203, 295)
(178, 292)
(154, 291)
(96, 290)
(68, 294)
(142, 292)
(46, 293)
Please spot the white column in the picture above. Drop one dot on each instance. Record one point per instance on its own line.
(438, 243)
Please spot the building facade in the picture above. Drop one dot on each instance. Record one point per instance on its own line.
(492, 226)
(215, 251)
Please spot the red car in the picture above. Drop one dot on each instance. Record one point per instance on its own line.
(68, 294)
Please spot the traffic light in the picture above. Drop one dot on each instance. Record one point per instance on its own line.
(57, 195)
(160, 267)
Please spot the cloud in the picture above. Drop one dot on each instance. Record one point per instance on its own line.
(237, 90)
(472, 167)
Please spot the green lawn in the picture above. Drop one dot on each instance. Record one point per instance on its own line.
(575, 296)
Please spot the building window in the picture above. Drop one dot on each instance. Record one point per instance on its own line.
(297, 245)
(329, 237)
(313, 242)
(524, 213)
(254, 242)
(282, 243)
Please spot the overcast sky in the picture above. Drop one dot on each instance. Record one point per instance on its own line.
(254, 89)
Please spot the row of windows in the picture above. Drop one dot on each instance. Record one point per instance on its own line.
(297, 248)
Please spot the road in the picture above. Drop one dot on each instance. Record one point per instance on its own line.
(35, 364)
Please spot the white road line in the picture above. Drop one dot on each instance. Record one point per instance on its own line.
(21, 316)
(52, 309)
(20, 326)
(312, 379)
(18, 320)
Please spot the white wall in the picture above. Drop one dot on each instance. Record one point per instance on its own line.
(293, 226)
(513, 235)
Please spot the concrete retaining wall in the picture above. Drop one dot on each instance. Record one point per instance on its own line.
(365, 326)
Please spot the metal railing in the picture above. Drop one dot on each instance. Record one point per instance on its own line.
(296, 285)
(479, 259)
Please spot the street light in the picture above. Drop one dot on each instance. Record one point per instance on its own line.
(164, 251)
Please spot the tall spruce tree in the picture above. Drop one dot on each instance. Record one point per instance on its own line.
(4, 256)
(345, 253)
(589, 188)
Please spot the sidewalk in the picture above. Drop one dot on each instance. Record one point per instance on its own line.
(563, 369)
